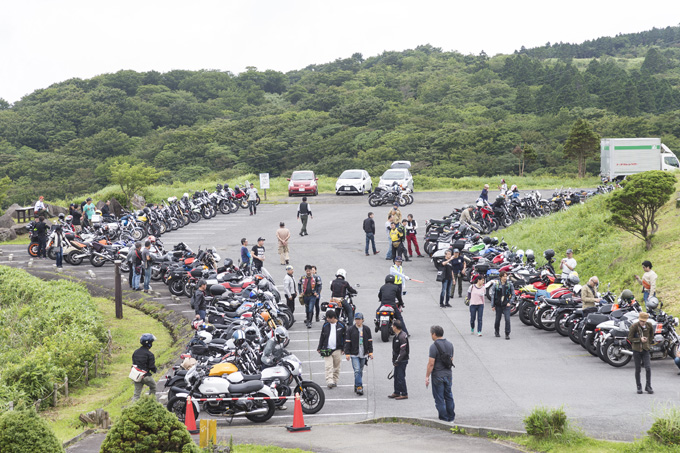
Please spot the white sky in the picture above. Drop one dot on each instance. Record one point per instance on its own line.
(48, 41)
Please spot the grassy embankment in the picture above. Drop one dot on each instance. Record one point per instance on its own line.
(279, 186)
(602, 249)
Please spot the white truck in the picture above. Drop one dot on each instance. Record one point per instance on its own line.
(620, 157)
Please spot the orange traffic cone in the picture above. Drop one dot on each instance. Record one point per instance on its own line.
(189, 419)
(298, 419)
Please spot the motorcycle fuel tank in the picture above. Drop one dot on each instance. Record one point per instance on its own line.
(214, 386)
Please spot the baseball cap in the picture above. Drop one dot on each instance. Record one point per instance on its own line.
(396, 205)
(289, 268)
(358, 315)
(398, 258)
(260, 239)
(570, 251)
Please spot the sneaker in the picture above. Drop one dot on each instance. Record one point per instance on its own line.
(649, 390)
(309, 326)
(472, 331)
(507, 336)
(447, 305)
(497, 334)
(441, 305)
(639, 390)
(421, 256)
(281, 407)
(359, 390)
(479, 334)
(368, 254)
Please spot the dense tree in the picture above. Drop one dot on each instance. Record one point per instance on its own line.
(582, 143)
(132, 178)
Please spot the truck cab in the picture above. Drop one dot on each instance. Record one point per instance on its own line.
(669, 161)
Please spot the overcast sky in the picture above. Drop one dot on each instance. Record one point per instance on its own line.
(48, 41)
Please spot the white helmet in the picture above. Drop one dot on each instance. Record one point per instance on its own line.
(186, 195)
(341, 273)
(480, 203)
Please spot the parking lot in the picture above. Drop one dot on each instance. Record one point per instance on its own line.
(496, 382)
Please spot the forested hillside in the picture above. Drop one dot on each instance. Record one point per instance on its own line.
(451, 114)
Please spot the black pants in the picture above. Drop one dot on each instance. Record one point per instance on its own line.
(642, 358)
(500, 313)
(42, 246)
(290, 301)
(252, 207)
(457, 281)
(399, 250)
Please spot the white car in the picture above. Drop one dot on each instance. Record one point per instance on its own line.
(354, 181)
(402, 176)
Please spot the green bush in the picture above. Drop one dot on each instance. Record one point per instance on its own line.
(546, 422)
(666, 428)
(23, 431)
(47, 331)
(148, 427)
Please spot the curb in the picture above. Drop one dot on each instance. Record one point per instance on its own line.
(436, 424)
(79, 437)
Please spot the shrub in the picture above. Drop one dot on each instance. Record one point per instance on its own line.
(24, 431)
(145, 427)
(546, 422)
(666, 428)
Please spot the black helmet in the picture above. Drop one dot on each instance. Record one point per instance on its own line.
(627, 295)
(219, 187)
(389, 278)
(530, 256)
(487, 240)
(147, 339)
(549, 254)
(226, 186)
(146, 210)
(62, 216)
(197, 194)
(475, 237)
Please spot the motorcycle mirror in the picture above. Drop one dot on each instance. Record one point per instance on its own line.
(358, 285)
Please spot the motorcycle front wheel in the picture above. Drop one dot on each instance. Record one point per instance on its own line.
(269, 404)
(73, 257)
(97, 261)
(33, 249)
(312, 397)
(176, 288)
(178, 407)
(373, 200)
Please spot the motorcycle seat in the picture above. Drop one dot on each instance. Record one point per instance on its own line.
(252, 377)
(231, 314)
(218, 341)
(221, 327)
(246, 387)
(196, 272)
(441, 222)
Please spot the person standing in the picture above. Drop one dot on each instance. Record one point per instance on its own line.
(309, 288)
(395, 214)
(317, 302)
(144, 359)
(589, 293)
(400, 351)
(331, 344)
(476, 296)
(59, 245)
(648, 280)
(106, 210)
(283, 235)
(388, 228)
(40, 209)
(458, 267)
(252, 199)
(88, 211)
(402, 248)
(147, 260)
(258, 254)
(41, 229)
(369, 229)
(411, 235)
(137, 265)
(245, 253)
(76, 215)
(198, 302)
(502, 293)
(303, 214)
(503, 187)
(396, 238)
(640, 337)
(359, 348)
(439, 367)
(567, 265)
(289, 288)
(447, 279)
(399, 277)
(485, 193)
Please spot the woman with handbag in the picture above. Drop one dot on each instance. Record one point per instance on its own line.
(475, 299)
(446, 275)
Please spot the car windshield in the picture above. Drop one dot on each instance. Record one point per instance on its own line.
(351, 174)
(394, 174)
(302, 176)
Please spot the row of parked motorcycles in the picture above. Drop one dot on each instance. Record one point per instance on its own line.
(395, 193)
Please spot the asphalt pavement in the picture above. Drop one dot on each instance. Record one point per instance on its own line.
(496, 382)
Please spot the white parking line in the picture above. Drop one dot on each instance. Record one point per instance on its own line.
(324, 415)
(346, 399)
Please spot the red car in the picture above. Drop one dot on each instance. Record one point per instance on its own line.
(303, 183)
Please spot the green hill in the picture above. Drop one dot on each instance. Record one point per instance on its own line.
(451, 114)
(603, 250)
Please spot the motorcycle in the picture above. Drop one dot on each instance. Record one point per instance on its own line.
(384, 318)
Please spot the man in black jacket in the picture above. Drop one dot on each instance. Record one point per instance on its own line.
(390, 294)
(340, 287)
(400, 351)
(502, 294)
(331, 343)
(369, 229)
(199, 303)
(359, 348)
(41, 229)
(144, 359)
(303, 214)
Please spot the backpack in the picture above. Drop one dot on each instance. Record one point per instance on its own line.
(445, 359)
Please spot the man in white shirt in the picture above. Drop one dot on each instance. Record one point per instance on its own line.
(252, 199)
(40, 209)
(289, 288)
(567, 265)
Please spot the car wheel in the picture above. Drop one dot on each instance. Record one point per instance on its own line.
(370, 189)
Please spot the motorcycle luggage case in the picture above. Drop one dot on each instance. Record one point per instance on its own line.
(597, 318)
(198, 349)
(196, 273)
(482, 268)
(217, 290)
(458, 244)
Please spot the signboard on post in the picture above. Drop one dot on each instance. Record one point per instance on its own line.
(264, 183)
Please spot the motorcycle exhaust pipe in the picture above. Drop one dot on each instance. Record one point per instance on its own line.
(255, 412)
(626, 352)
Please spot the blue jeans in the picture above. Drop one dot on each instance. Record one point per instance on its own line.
(202, 314)
(358, 366)
(389, 247)
(446, 290)
(500, 313)
(677, 361)
(370, 237)
(443, 398)
(400, 378)
(646, 295)
(147, 278)
(476, 311)
(136, 278)
(309, 306)
(60, 256)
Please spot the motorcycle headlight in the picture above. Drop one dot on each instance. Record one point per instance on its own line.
(676, 322)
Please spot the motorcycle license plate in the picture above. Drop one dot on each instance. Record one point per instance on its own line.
(384, 318)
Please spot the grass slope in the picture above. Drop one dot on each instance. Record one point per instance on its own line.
(602, 249)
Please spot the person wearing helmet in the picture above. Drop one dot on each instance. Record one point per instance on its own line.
(331, 345)
(275, 349)
(309, 287)
(218, 188)
(589, 293)
(198, 302)
(339, 290)
(640, 337)
(648, 280)
(567, 265)
(390, 294)
(289, 290)
(283, 236)
(502, 295)
(358, 348)
(143, 359)
(485, 193)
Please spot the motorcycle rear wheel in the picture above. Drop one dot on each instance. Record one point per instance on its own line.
(33, 249)
(97, 261)
(271, 408)
(385, 333)
(137, 234)
(560, 324)
(590, 344)
(525, 313)
(545, 321)
(611, 357)
(312, 397)
(52, 253)
(73, 257)
(176, 288)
